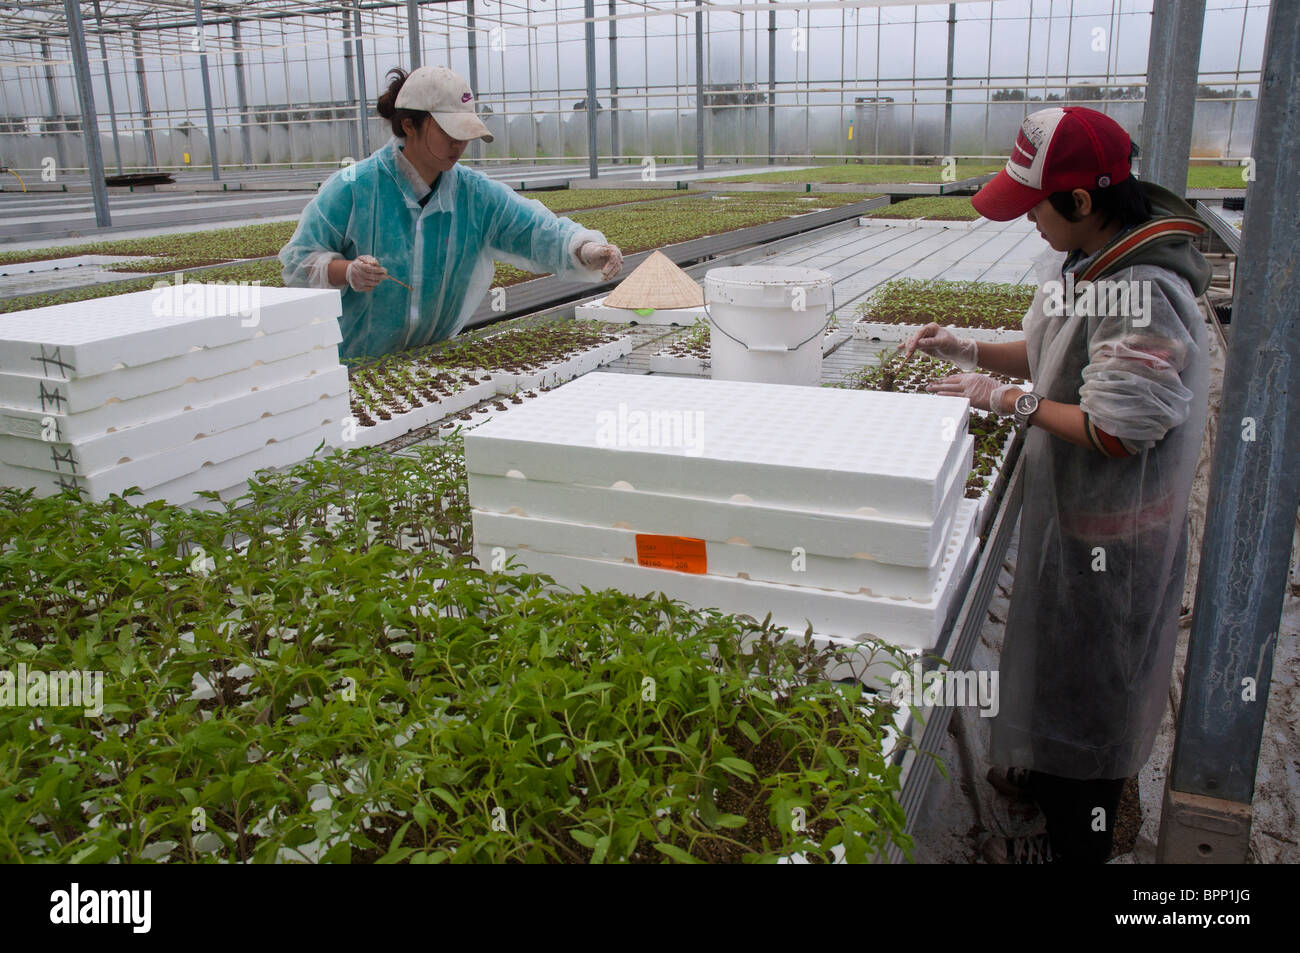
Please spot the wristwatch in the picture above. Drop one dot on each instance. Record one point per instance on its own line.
(1026, 406)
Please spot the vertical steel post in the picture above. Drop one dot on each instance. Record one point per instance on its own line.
(56, 112)
(150, 150)
(1173, 62)
(1254, 486)
(771, 84)
(613, 82)
(108, 87)
(413, 32)
(947, 93)
(89, 124)
(350, 84)
(241, 95)
(207, 89)
(699, 84)
(593, 144)
(363, 107)
(471, 35)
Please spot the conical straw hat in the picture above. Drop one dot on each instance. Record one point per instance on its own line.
(656, 283)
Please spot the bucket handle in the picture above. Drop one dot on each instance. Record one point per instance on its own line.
(830, 316)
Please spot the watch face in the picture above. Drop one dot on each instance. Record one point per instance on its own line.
(1026, 404)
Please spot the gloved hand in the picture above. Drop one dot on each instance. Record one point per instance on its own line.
(983, 392)
(943, 344)
(365, 273)
(605, 257)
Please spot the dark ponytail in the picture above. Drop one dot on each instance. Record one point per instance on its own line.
(387, 105)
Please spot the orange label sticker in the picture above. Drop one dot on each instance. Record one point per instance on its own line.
(680, 553)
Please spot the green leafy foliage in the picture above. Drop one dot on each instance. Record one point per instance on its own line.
(323, 672)
(866, 174)
(932, 207)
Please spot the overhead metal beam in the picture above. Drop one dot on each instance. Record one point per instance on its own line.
(108, 87)
(241, 95)
(1254, 487)
(89, 124)
(207, 90)
(1173, 64)
(593, 144)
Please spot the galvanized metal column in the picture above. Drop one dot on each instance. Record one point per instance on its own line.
(363, 107)
(108, 87)
(699, 84)
(56, 112)
(593, 145)
(472, 51)
(1173, 62)
(1254, 487)
(150, 150)
(350, 83)
(613, 82)
(207, 90)
(413, 32)
(89, 124)
(771, 84)
(241, 95)
(947, 93)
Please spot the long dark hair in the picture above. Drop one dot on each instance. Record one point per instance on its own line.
(387, 105)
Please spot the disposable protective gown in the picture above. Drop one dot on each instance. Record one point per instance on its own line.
(1093, 619)
(444, 249)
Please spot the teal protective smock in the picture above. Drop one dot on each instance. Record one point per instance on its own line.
(444, 249)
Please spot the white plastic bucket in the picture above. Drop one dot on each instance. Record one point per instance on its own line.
(766, 324)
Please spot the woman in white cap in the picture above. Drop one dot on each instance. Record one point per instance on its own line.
(409, 211)
(1115, 345)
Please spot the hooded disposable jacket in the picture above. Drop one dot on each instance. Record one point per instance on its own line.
(444, 249)
(1094, 613)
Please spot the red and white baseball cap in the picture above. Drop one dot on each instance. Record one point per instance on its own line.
(1057, 150)
(447, 97)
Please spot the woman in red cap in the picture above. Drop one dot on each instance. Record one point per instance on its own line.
(1116, 348)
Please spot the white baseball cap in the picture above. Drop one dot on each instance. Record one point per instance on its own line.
(445, 96)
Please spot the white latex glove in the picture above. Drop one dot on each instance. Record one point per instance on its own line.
(605, 257)
(365, 273)
(943, 344)
(983, 392)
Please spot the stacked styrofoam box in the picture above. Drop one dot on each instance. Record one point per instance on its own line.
(101, 395)
(839, 508)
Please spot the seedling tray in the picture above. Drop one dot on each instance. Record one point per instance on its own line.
(81, 427)
(187, 431)
(381, 431)
(86, 393)
(900, 622)
(811, 448)
(557, 372)
(214, 476)
(889, 333)
(596, 311)
(84, 338)
(320, 417)
(907, 552)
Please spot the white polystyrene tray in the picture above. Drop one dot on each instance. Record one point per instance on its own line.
(184, 430)
(899, 622)
(325, 414)
(210, 473)
(77, 428)
(910, 548)
(596, 311)
(890, 333)
(557, 372)
(399, 424)
(828, 449)
(83, 338)
(86, 393)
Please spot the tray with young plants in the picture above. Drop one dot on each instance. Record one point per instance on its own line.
(994, 434)
(690, 352)
(400, 393)
(980, 310)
